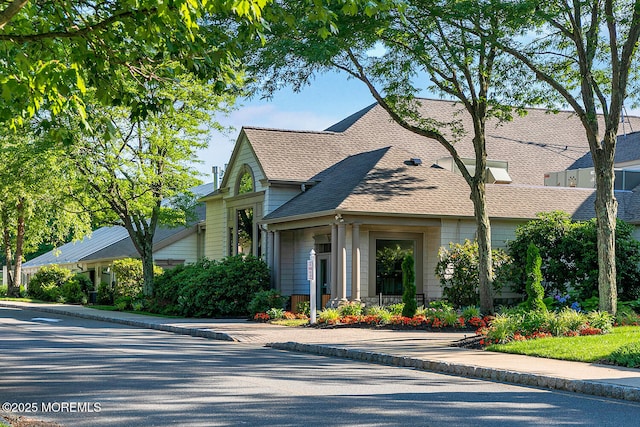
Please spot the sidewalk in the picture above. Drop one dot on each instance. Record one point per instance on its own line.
(423, 350)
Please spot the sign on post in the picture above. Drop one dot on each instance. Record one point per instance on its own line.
(311, 277)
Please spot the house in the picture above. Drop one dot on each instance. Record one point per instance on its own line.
(94, 254)
(365, 189)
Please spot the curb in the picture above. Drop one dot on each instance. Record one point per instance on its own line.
(194, 332)
(593, 388)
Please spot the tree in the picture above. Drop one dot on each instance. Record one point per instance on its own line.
(52, 51)
(137, 170)
(535, 291)
(417, 37)
(33, 204)
(409, 287)
(585, 52)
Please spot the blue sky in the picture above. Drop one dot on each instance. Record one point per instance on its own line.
(330, 98)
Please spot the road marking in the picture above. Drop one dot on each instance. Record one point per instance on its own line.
(45, 319)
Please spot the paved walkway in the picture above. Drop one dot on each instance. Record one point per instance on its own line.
(429, 351)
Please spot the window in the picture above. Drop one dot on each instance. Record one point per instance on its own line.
(389, 256)
(245, 182)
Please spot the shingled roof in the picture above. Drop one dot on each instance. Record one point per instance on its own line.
(360, 164)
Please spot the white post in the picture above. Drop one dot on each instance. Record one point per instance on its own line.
(311, 276)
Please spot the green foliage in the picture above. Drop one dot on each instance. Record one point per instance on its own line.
(264, 300)
(47, 282)
(105, 294)
(129, 277)
(396, 309)
(600, 320)
(303, 307)
(76, 289)
(353, 308)
(276, 313)
(457, 270)
(569, 256)
(329, 316)
(3, 291)
(409, 286)
(535, 291)
(471, 311)
(627, 355)
(212, 288)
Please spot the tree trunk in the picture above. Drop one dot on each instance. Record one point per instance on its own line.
(17, 266)
(12, 290)
(483, 230)
(147, 267)
(606, 211)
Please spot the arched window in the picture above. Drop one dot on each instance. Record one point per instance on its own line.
(246, 183)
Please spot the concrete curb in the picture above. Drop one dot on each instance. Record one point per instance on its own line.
(593, 388)
(194, 332)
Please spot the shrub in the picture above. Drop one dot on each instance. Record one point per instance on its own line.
(129, 277)
(304, 307)
(276, 313)
(470, 312)
(123, 303)
(72, 291)
(3, 291)
(395, 309)
(353, 308)
(47, 282)
(105, 294)
(457, 270)
(628, 355)
(600, 320)
(569, 256)
(212, 288)
(535, 291)
(409, 287)
(264, 300)
(329, 316)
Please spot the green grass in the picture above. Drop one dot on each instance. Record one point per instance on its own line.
(290, 322)
(590, 348)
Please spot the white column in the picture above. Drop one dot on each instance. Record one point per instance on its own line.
(334, 261)
(342, 262)
(355, 262)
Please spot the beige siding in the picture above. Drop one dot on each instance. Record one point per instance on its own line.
(244, 156)
(185, 249)
(216, 235)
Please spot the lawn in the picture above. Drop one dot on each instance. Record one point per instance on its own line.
(591, 348)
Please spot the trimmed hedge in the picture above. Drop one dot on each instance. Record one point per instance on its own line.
(211, 288)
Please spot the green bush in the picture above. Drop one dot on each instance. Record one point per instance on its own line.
(535, 291)
(262, 301)
(303, 307)
(276, 313)
(329, 315)
(457, 270)
(628, 355)
(353, 308)
(211, 288)
(3, 291)
(409, 287)
(72, 292)
(396, 309)
(47, 282)
(105, 294)
(570, 257)
(129, 277)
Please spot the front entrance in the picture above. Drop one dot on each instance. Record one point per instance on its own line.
(323, 277)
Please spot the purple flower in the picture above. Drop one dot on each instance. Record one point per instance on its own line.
(575, 306)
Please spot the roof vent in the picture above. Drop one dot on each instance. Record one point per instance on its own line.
(415, 161)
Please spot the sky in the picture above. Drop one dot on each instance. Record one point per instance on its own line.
(328, 99)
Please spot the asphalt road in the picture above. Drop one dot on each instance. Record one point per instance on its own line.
(79, 372)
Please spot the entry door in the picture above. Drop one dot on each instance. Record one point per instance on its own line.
(323, 276)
